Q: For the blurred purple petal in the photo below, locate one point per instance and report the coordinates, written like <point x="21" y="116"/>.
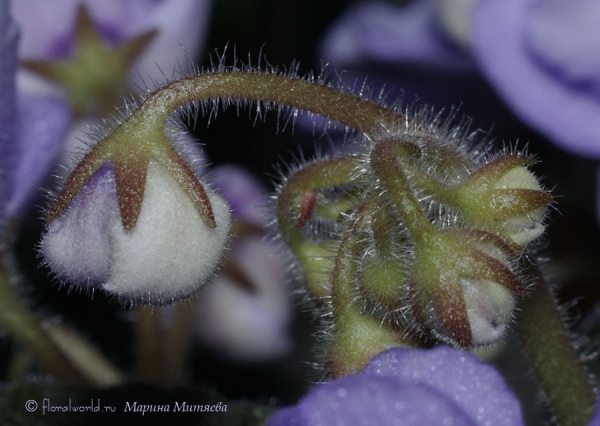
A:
<point x="513" y="43"/>
<point x="182" y="26"/>
<point x="8" y="65"/>
<point x="564" y="36"/>
<point x="48" y="27"/>
<point x="248" y="324"/>
<point x="403" y="53"/>
<point x="42" y="125"/>
<point x="373" y="31"/>
<point x="476" y="387"/>
<point x="410" y="387"/>
<point x="364" y="400"/>
<point x="244" y="192"/>
<point x="247" y="320"/>
<point x="596" y="419"/>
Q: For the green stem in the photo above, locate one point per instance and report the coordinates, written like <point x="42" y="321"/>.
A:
<point x="296" y="205"/>
<point x="358" y="336"/>
<point x="151" y="367"/>
<point x="96" y="367"/>
<point x="25" y="328"/>
<point x="297" y="199"/>
<point x="343" y="107"/>
<point x="177" y="340"/>
<point x="548" y="346"/>
<point x="387" y="167"/>
<point x="385" y="231"/>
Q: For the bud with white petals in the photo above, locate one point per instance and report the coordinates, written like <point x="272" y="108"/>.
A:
<point x="504" y="197"/>
<point x="168" y="255"/>
<point x="466" y="286"/>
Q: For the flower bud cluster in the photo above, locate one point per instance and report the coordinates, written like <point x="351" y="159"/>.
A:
<point x="438" y="230"/>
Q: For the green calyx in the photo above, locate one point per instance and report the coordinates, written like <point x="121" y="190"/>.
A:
<point x="129" y="149"/>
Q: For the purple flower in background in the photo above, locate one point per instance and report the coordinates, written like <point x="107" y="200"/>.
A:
<point x="381" y="32"/>
<point x="35" y="117"/>
<point x="48" y="29"/>
<point x="8" y="111"/>
<point x="245" y="311"/>
<point x="542" y="57"/>
<point x="410" y="387"/>
<point x="404" y="52"/>
<point x="539" y="56"/>
<point x="139" y="42"/>
<point x="33" y="128"/>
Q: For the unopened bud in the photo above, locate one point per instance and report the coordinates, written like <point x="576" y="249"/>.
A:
<point x="504" y="197"/>
<point x="466" y="287"/>
<point x="169" y="254"/>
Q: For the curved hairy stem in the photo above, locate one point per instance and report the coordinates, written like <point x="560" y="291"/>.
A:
<point x="549" y="348"/>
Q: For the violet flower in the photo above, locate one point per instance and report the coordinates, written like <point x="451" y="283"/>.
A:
<point x="540" y="57"/>
<point x="37" y="116"/>
<point x="402" y="53"/>
<point x="410" y="387"/>
<point x="157" y="32"/>
<point x="48" y="28"/>
<point x="33" y="128"/>
<point x="245" y="311"/>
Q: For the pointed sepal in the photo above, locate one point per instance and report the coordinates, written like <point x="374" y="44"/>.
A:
<point x="187" y="179"/>
<point x="82" y="173"/>
<point x="131" y="169"/>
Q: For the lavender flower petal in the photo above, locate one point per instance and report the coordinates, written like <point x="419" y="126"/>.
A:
<point x="8" y="65"/>
<point x="555" y="92"/>
<point x="248" y="324"/>
<point x="48" y="28"/>
<point x="42" y="125"/>
<point x="410" y="387"/>
<point x="380" y="32"/>
<point x="476" y="387"/>
<point x="364" y="400"/>
<point x="244" y="193"/>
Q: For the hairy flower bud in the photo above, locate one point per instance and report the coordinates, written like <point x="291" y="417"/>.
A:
<point x="465" y="285"/>
<point x="505" y="198"/>
<point x="168" y="255"/>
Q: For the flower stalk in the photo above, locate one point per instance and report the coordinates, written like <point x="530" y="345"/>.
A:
<point x="357" y="336"/>
<point x="549" y="348"/>
<point x="151" y="366"/>
<point x="74" y="364"/>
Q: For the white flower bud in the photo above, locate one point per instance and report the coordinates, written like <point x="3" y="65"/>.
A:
<point x="489" y="308"/>
<point x="168" y="255"/>
<point x="489" y="304"/>
<point x="525" y="227"/>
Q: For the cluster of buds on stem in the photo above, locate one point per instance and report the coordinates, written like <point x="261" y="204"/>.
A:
<point x="413" y="238"/>
<point x="424" y="238"/>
